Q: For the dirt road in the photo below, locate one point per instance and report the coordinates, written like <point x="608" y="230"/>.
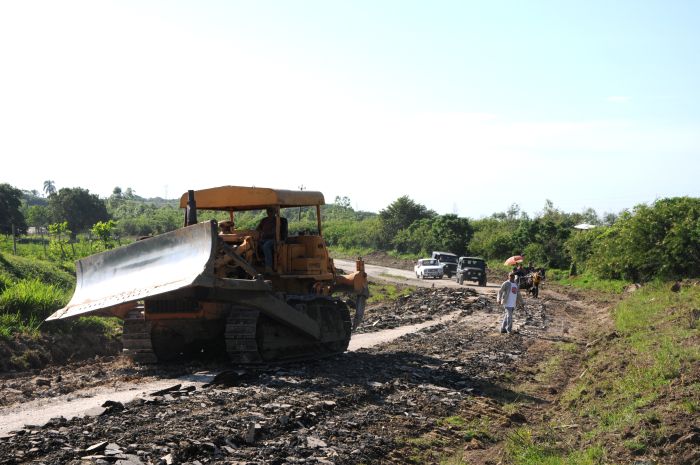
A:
<point x="88" y="401"/>
<point x="384" y="273"/>
<point x="396" y="395"/>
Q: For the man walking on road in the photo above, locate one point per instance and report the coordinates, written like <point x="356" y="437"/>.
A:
<point x="509" y="297"/>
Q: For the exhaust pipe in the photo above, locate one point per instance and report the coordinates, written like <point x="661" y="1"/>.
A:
<point x="191" y="210"/>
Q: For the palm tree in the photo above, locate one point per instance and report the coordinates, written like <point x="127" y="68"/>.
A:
<point x="49" y="187"/>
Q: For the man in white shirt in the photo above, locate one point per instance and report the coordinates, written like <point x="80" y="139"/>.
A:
<point x="509" y="297"/>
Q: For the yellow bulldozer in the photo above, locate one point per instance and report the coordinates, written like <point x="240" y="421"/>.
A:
<point x="205" y="287"/>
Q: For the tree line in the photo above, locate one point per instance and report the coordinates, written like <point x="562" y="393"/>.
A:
<point x="648" y="241"/>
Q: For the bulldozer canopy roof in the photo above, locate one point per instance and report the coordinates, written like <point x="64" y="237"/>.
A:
<point x="251" y="198"/>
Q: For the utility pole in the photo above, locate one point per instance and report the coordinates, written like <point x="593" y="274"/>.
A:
<point x="43" y="241"/>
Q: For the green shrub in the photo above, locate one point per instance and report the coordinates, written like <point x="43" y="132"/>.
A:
<point x="497" y="267"/>
<point x="352" y="234"/>
<point x="31" y="298"/>
<point x="579" y="246"/>
<point x="5" y="281"/>
<point x="661" y="240"/>
<point x="557" y="275"/>
<point x="13" y="323"/>
<point x="572" y="269"/>
<point x="491" y="242"/>
<point x="110" y="326"/>
<point x="535" y="253"/>
<point x="18" y="268"/>
<point x="587" y="280"/>
<point x="445" y="232"/>
<point x="386" y="292"/>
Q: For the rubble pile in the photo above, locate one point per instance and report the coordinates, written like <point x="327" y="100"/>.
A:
<point x="56" y="380"/>
<point x="421" y="305"/>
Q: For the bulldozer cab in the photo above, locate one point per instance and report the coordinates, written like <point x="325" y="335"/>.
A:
<point x="299" y="256"/>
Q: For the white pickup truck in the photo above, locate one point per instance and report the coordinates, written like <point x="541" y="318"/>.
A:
<point x="428" y="268"/>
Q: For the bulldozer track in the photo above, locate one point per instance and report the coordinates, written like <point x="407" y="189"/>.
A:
<point x="240" y="336"/>
<point x="249" y="336"/>
<point x="136" y="341"/>
<point x="253" y="338"/>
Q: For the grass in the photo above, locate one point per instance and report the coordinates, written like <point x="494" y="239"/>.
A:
<point x="640" y="384"/>
<point x="12" y="324"/>
<point x="524" y="447"/>
<point x="455" y="420"/>
<point x="30" y="290"/>
<point x="689" y="406"/>
<point x="5" y="280"/>
<point x="587" y="281"/>
<point x="432" y="448"/>
<point x="15" y="268"/>
<point x="349" y="253"/>
<point x="109" y="326"/>
<point x="660" y="349"/>
<point x="34" y="249"/>
<point x="512" y="407"/>
<point x="454" y="459"/>
<point x="387" y="292"/>
<point x="552" y="367"/>
<point x="393" y="276"/>
<point x="477" y="428"/>
<point x="27" y="246"/>
<point x="39" y="249"/>
<point x="497" y="266"/>
<point x="423" y="449"/>
<point x="405" y="256"/>
<point x="32" y="299"/>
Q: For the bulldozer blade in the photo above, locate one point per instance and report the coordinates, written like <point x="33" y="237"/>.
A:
<point x="105" y="282"/>
<point x="110" y="283"/>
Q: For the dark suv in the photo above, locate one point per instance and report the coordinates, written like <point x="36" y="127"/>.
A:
<point x="471" y="269"/>
<point x="448" y="261"/>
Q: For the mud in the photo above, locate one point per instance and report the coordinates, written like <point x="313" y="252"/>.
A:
<point x="383" y="404"/>
<point x="421" y="305"/>
<point x="66" y="345"/>
<point x="448" y="393"/>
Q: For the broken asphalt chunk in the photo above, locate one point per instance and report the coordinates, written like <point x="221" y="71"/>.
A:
<point x="313" y="442"/>
<point x="166" y="390"/>
<point x="95" y="448"/>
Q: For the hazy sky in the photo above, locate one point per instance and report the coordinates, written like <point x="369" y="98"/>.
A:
<point x="464" y="106"/>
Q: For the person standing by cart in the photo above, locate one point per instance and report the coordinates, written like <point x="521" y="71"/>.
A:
<point x="536" y="279"/>
<point x="509" y="296"/>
